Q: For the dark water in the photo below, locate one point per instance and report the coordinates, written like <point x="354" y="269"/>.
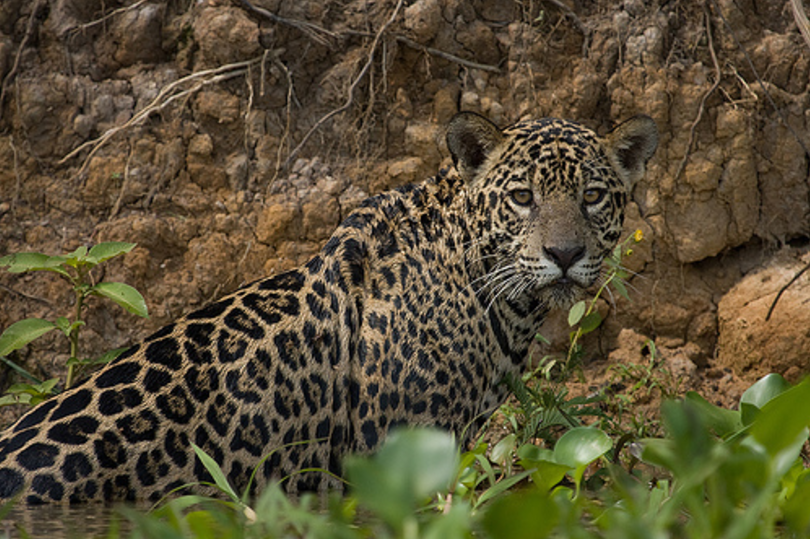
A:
<point x="64" y="522"/>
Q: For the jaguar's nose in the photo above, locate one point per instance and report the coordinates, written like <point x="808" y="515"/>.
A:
<point x="565" y="257"/>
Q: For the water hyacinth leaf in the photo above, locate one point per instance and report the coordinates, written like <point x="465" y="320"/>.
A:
<point x="124" y="295"/>
<point x="546" y="471"/>
<point x="795" y="509"/>
<point x="411" y="466"/>
<point x="783" y="419"/>
<point x="23" y="332"/>
<point x="580" y="446"/>
<point x="759" y="394"/>
<point x="204" y="525"/>
<point x="659" y="452"/>
<point x="454" y="524"/>
<point x="502" y="486"/>
<point x="720" y="420"/>
<point x="576" y="313"/>
<point x="521" y="516"/>
<point x="503" y="449"/>
<point x="104" y="251"/>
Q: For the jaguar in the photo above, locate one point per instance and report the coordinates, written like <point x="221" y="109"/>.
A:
<point x="416" y="309"/>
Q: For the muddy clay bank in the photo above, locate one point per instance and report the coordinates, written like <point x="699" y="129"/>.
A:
<point x="228" y="143"/>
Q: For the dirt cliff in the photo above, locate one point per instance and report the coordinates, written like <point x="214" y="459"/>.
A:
<point x="228" y="141"/>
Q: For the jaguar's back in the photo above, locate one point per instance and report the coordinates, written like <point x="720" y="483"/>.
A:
<point x="413" y="312"/>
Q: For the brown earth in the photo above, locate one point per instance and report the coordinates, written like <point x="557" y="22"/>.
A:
<point x="228" y="145"/>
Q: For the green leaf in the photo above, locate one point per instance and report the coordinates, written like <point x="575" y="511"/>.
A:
<point x="124" y="295"/>
<point x="521" y="516"/>
<point x="783" y="418"/>
<point x="547" y="472"/>
<point x="77" y="257"/>
<point x="576" y="313"/>
<point x="795" y="509"/>
<point x="66" y="327"/>
<point x="619" y="287"/>
<point x="503" y="449"/>
<point x="12" y="399"/>
<point x="759" y="394"/>
<point x="23" y="332"/>
<point x="502" y="486"/>
<point x="722" y="421"/>
<point x="411" y="466"/>
<point x="453" y="524"/>
<point x="100" y="360"/>
<point x="32" y="394"/>
<point x="616" y="255"/>
<point x="581" y="445"/>
<point x="108" y="356"/>
<point x="590" y="322"/>
<point x="22" y="262"/>
<point x="107" y="250"/>
<point x="216" y="472"/>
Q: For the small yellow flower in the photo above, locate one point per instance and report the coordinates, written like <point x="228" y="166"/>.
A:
<point x="638" y="235"/>
<point x="628" y="252"/>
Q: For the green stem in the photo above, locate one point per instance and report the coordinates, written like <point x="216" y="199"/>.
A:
<point x="74" y="333"/>
<point x="590" y="309"/>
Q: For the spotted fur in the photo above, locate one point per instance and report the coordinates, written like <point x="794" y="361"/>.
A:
<point x="421" y="302"/>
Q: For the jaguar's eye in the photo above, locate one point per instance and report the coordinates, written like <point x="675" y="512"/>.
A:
<point x="593" y="196"/>
<point x="521" y="197"/>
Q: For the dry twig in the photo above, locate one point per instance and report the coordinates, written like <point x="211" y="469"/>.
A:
<point x="29" y="30"/>
<point x="163" y="99"/>
<point x="586" y="35"/>
<point x="446" y="55"/>
<point x="123" y="191"/>
<point x="110" y="15"/>
<point x="759" y="80"/>
<point x="316" y="33"/>
<point x="288" y="119"/>
<point x="782" y="291"/>
<point x="352" y="88"/>
<point x="801" y="19"/>
<point x="701" y="110"/>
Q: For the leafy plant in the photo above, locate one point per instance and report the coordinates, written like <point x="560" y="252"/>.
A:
<point x="717" y="473"/>
<point x="75" y="268"/>
<point x="649" y="377"/>
<point x="583" y="315"/>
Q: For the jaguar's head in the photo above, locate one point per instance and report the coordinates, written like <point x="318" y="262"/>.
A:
<point x="549" y="198"/>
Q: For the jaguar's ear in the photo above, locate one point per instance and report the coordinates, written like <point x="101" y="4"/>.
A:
<point x="470" y="139"/>
<point x="630" y="145"/>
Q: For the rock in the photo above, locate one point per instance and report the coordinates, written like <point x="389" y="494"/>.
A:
<point x="421" y="141"/>
<point x="138" y="34"/>
<point x="445" y="103"/>
<point x="201" y="145"/>
<point x="275" y="221"/>
<point x="321" y="215"/>
<point x="222" y="106"/>
<point x="104" y="178"/>
<point x="407" y="170"/>
<point x="226" y="35"/>
<point x="423" y="19"/>
<point x="752" y="346"/>
<point x="479" y="39"/>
